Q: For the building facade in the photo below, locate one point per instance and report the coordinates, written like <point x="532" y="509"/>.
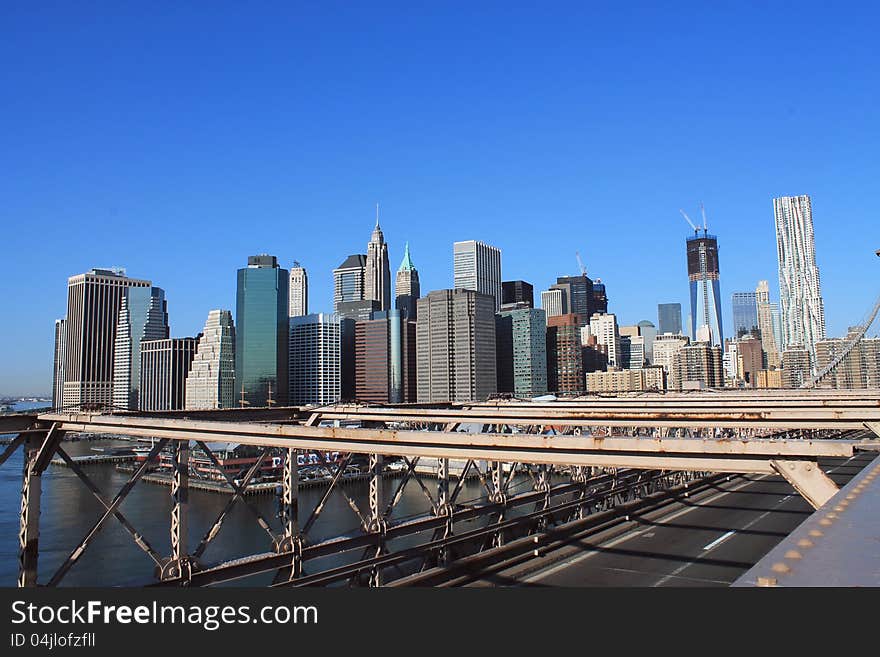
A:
<point x="797" y="363"/>
<point x="669" y="318"/>
<point x="348" y="280"/>
<point x="860" y="368"/>
<point x="565" y="358"/>
<point x="800" y="296"/>
<point x="143" y="315"/>
<point x="477" y="266"/>
<point x="164" y="367"/>
<point x="553" y="302"/>
<point x="93" y="303"/>
<point x="705" y="285"/>
<point x="406" y="287"/>
<point x="617" y="381"/>
<point x="697" y="366"/>
<point x="58" y="364"/>
<point x="377" y="273"/>
<point x="455" y="341"/>
<point x="604" y="327"/>
<point x="299" y="291"/>
<point x="261" y="333"/>
<point x="521" y="348"/>
<point x="315" y="370"/>
<point x="210" y="383"/>
<point x="745" y="314"/>
<point x="517" y="293"/>
<point x="767" y="328"/>
<point x="384" y="359"/>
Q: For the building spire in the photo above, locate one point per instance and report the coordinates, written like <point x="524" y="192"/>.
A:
<point x="407" y="264"/>
<point x="377" y="217"/>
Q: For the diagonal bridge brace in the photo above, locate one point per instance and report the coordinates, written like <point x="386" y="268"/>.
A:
<point x="807" y="479"/>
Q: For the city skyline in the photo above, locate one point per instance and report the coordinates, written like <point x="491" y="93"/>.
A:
<point x="252" y="166"/>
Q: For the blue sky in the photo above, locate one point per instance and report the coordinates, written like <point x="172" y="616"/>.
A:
<point x="177" y="140"/>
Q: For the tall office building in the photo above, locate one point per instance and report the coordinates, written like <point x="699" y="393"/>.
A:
<point x="631" y="350"/>
<point x="860" y="368"/>
<point x="703" y="274"/>
<point x="565" y="358"/>
<point x="766" y="327"/>
<point x="517" y="294"/>
<point x="58" y="364"/>
<point x="261" y="355"/>
<point x="299" y="291"/>
<point x="455" y="342"/>
<point x="604" y="327"/>
<point x="553" y="302"/>
<point x="745" y="314"/>
<point x="600" y="297"/>
<point x="377" y="274"/>
<point x="477" y="266"/>
<point x="800" y="298"/>
<point x="666" y="346"/>
<point x="697" y="366"/>
<point x="142" y="316"/>
<point x="164" y="367"/>
<point x="577" y="296"/>
<point x="406" y="286"/>
<point x="796" y="366"/>
<point x="93" y="303"/>
<point x="648" y="331"/>
<point x="669" y="318"/>
<point x="211" y="380"/>
<point x="384" y="359"/>
<point x="315" y="360"/>
<point x="348" y="280"/>
<point x="521" y="350"/>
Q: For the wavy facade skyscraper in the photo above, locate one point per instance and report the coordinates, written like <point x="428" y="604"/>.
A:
<point x="800" y="297"/>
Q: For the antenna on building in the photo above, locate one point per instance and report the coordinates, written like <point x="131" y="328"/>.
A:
<point x="703" y="211"/>
<point x="688" y="219"/>
<point x="580" y="263"/>
<point x="377" y="215"/>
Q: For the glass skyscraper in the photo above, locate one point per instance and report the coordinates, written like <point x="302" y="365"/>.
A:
<point x="745" y="313"/>
<point x="261" y="335"/>
<point x="669" y="318"/>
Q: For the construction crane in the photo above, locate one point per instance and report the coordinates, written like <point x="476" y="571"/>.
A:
<point x="705" y="224"/>
<point x="688" y="219"/>
<point x="580" y="263"/>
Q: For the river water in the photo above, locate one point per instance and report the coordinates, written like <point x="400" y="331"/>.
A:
<point x="68" y="511"/>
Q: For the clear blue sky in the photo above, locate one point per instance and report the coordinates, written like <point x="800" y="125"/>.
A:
<point x="177" y="140"/>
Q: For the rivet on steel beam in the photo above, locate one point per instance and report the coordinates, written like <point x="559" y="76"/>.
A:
<point x="824" y="522"/>
<point x="780" y="568"/>
<point x="839" y="508"/>
<point x="831" y="516"/>
<point x="766" y="581"/>
<point x="793" y="554"/>
<point x="805" y="543"/>
<point x="816" y="533"/>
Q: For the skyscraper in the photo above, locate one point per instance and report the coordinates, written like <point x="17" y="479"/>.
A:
<point x="348" y="280"/>
<point x="377" y="275"/>
<point x="697" y="366"/>
<point x="58" y="364"/>
<point x="211" y="379"/>
<point x="703" y="274"/>
<point x="521" y="350"/>
<point x="517" y="293"/>
<point x="766" y="327"/>
<point x="565" y="359"/>
<point x="803" y="313"/>
<point x="669" y="318"/>
<point x="142" y="316"/>
<point x="315" y="362"/>
<point x="299" y="291"/>
<point x="578" y="296"/>
<point x="477" y="266"/>
<point x="604" y="328"/>
<point x="553" y="302"/>
<point x="93" y="303"/>
<point x="164" y="367"/>
<point x="384" y="355"/>
<point x="406" y="286"/>
<point x="745" y="313"/>
<point x="261" y="358"/>
<point x="455" y="341"/>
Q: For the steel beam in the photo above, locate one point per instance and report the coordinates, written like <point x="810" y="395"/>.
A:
<point x="808" y="479"/>
<point x="29" y="519"/>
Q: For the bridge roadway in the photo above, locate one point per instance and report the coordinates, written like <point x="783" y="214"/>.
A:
<point x="709" y="539"/>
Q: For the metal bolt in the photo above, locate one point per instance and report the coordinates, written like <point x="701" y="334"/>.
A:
<point x="805" y="543"/>
<point x="824" y="522"/>
<point x="793" y="554"/>
<point x="780" y="568"/>
<point x="816" y="533"/>
<point x="766" y="581"/>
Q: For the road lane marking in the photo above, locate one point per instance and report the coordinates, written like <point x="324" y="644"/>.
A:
<point x="720" y="539"/>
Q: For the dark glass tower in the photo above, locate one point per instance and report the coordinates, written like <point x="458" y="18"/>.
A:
<point x="261" y="336"/>
<point x="702" y="263"/>
<point x="669" y="317"/>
